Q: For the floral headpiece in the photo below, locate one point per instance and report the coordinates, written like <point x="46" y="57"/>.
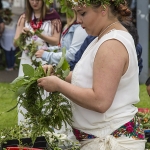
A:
<point x="89" y="2"/>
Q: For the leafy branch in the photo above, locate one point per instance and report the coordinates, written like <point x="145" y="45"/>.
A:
<point x="30" y="48"/>
<point x="44" y="112"/>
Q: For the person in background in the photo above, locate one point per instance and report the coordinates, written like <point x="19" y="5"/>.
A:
<point x="132" y="30"/>
<point x="37" y="16"/>
<point x="1" y="5"/>
<point x="72" y="38"/>
<point x="2" y="27"/>
<point x="104" y="85"/>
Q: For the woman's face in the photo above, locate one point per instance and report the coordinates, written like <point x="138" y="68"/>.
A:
<point x="36" y="4"/>
<point x="89" y="19"/>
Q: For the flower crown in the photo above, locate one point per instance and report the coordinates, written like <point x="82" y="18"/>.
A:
<point x="89" y="2"/>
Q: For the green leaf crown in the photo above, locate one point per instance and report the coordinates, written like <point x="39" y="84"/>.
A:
<point x="89" y="2"/>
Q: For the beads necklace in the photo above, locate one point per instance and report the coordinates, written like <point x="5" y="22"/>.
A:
<point x="37" y="25"/>
<point x="107" y="28"/>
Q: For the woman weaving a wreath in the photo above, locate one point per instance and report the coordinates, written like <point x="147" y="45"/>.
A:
<point x="103" y="94"/>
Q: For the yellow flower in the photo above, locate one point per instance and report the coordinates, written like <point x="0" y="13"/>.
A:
<point x="145" y="120"/>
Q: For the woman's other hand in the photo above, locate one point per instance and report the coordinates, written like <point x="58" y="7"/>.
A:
<point x="39" y="53"/>
<point x="48" y="69"/>
<point x="57" y="25"/>
<point x="49" y="83"/>
<point x="25" y="30"/>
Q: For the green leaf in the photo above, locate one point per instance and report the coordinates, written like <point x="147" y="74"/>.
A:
<point x="66" y="72"/>
<point x="17" y="80"/>
<point x="65" y="65"/>
<point x="62" y="58"/>
<point x="28" y="70"/>
<point x="21" y="90"/>
<point x="63" y="9"/>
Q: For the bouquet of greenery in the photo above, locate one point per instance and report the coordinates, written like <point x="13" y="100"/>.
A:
<point x="27" y="42"/>
<point x="45" y="111"/>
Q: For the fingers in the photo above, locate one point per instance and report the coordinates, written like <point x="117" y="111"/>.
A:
<point x="39" y="82"/>
<point x="57" y="25"/>
<point x="25" y="30"/>
<point x="45" y="68"/>
<point x="39" y="53"/>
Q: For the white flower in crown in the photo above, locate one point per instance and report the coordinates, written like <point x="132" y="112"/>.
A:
<point x="75" y="2"/>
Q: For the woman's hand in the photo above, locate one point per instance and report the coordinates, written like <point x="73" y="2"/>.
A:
<point x="39" y="53"/>
<point x="25" y="30"/>
<point x="49" y="83"/>
<point x="57" y="25"/>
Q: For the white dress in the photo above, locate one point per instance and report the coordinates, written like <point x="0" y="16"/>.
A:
<point x="25" y="59"/>
<point x="122" y="109"/>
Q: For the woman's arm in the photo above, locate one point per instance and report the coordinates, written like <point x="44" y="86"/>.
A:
<point x="53" y="58"/>
<point x="54" y="39"/>
<point x="20" y="26"/>
<point x="68" y="78"/>
<point x="106" y="77"/>
<point x="2" y="27"/>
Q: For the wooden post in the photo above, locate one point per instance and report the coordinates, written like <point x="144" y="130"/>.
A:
<point x="143" y="31"/>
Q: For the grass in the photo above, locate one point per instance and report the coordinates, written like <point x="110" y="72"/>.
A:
<point x="9" y="119"/>
<point x="144" y="98"/>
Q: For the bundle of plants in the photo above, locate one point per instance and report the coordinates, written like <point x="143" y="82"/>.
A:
<point x="45" y="111"/>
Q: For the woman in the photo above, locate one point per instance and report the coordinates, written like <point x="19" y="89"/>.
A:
<point x="38" y="16"/>
<point x="104" y="83"/>
<point x="72" y="38"/>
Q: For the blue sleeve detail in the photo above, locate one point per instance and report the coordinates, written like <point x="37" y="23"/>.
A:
<point x="79" y="53"/>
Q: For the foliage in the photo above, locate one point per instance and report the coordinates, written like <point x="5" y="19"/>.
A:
<point x="31" y="47"/>
<point x="144" y="117"/>
<point x="66" y="8"/>
<point x="89" y="2"/>
<point x="23" y="131"/>
<point x="44" y="112"/>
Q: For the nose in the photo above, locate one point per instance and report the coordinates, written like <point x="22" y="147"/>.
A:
<point x="79" y="20"/>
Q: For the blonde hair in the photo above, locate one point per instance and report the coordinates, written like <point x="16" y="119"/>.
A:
<point x="70" y="20"/>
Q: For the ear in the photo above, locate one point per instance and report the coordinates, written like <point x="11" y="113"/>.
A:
<point x="103" y="10"/>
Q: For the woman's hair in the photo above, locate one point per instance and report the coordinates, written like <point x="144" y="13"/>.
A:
<point x="29" y="11"/>
<point x="72" y="20"/>
<point x="122" y="11"/>
<point x="132" y="30"/>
